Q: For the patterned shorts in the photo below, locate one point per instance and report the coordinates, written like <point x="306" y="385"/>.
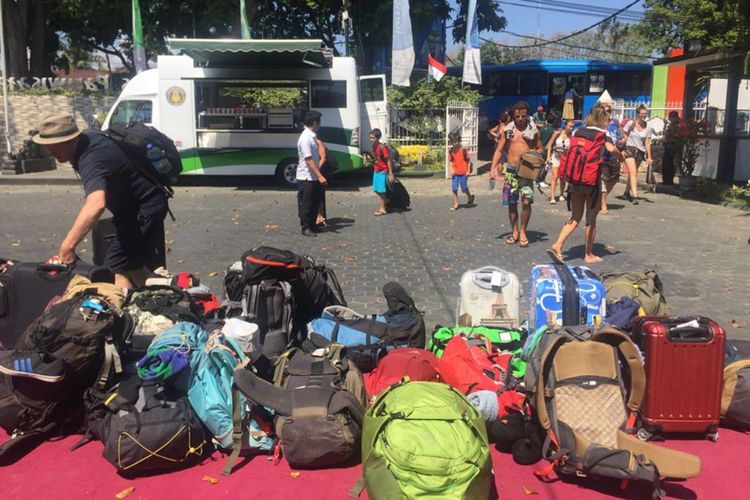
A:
<point x="516" y="188"/>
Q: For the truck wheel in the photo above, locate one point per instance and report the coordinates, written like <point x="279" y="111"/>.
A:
<point x="286" y="172"/>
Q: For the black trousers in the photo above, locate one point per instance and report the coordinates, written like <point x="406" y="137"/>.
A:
<point x="667" y="167"/>
<point x="309" y="195"/>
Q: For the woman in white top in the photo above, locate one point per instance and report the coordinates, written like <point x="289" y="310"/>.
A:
<point x="637" y="148"/>
<point x="556" y="146"/>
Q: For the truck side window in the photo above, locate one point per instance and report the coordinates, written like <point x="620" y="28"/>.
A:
<point x="328" y="94"/>
<point x="132" y="111"/>
<point x="371" y="90"/>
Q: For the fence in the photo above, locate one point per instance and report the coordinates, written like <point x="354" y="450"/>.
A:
<point x="411" y="127"/>
<point x="700" y="111"/>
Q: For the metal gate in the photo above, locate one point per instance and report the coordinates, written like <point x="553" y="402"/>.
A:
<point x="462" y="118"/>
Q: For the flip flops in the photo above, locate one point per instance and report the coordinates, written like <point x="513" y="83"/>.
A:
<point x="556" y="257"/>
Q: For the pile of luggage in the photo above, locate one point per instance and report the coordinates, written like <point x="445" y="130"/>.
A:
<point x="165" y="374"/>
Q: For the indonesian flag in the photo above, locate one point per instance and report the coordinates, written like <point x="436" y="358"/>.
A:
<point x="437" y="70"/>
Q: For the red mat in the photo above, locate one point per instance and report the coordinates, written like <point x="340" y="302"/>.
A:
<point x="51" y="471"/>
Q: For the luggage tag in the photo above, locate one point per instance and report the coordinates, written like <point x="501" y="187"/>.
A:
<point x="498" y="280"/>
<point x="690" y="324"/>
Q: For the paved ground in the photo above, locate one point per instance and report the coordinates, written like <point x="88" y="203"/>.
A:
<point x="699" y="250"/>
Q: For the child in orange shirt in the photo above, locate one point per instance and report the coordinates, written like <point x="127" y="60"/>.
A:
<point x="461" y="167"/>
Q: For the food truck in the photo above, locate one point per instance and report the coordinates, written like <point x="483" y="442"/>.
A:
<point x="236" y="107"/>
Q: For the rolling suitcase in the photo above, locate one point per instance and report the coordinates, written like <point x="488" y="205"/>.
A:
<point x="26" y="288"/>
<point x="565" y="296"/>
<point x="684" y="370"/>
<point x="489" y="296"/>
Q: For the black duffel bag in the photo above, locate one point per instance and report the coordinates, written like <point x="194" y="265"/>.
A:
<point x="146" y="428"/>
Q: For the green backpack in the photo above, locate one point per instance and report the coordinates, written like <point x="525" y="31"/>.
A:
<point x="504" y="339"/>
<point x="403" y="460"/>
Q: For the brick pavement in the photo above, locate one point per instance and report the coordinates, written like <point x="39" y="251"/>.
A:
<point x="700" y="250"/>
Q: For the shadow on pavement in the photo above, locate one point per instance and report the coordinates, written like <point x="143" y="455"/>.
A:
<point x="335" y="224"/>
<point x="577" y="252"/>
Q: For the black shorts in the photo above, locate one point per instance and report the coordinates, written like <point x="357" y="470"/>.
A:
<point x="640" y="156"/>
<point x="139" y="242"/>
<point x="611" y="170"/>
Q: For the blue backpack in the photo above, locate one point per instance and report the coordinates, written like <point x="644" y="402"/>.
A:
<point x="209" y="375"/>
<point x="367" y="338"/>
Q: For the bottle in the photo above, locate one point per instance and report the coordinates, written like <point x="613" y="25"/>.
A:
<point x="491" y="185"/>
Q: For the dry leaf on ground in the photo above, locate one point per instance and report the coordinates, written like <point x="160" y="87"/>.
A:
<point x="210" y="480"/>
<point x="125" y="493"/>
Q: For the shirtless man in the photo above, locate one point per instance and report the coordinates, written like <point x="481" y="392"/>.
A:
<point x="520" y="136"/>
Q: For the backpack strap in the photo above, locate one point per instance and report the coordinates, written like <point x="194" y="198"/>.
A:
<point x="237" y="431"/>
<point x="629" y="353"/>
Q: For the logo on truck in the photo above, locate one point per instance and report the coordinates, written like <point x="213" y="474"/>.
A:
<point x="175" y="96"/>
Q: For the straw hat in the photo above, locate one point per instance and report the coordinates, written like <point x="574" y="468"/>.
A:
<point x="56" y="128"/>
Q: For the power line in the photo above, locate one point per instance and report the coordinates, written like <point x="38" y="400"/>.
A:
<point x="603" y="51"/>
<point x="578" y="7"/>
<point x="566" y="37"/>
<point x="578" y="12"/>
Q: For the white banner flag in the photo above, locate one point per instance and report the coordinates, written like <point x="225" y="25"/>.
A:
<point x="472" y="58"/>
<point x="402" y="53"/>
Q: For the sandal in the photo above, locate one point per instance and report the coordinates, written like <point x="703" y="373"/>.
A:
<point x="523" y="243"/>
<point x="453" y="209"/>
<point x="379" y="213"/>
<point x="511" y="240"/>
<point x="556" y="257"/>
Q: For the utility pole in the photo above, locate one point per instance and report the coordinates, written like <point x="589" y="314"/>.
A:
<point x="345" y="21"/>
<point x="538" y="28"/>
<point x="4" y="68"/>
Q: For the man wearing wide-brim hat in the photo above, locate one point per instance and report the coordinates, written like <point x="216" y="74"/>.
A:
<point x="109" y="181"/>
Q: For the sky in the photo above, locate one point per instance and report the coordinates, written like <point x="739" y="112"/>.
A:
<point x="523" y="20"/>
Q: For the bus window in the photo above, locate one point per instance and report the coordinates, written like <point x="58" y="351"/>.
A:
<point x="532" y="83"/>
<point x="328" y="94"/>
<point x="596" y="83"/>
<point x="371" y="90"/>
<point x="131" y="111"/>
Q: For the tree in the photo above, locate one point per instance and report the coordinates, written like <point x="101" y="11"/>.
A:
<point x="28" y="47"/>
<point x="717" y="24"/>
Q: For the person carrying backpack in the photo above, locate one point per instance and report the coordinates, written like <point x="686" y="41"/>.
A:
<point x="461" y="167"/>
<point x="110" y="180"/>
<point x="581" y="167"/>
<point x="383" y="174"/>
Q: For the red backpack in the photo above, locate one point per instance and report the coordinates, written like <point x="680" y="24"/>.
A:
<point x="474" y="364"/>
<point x="417" y="364"/>
<point x="581" y="163"/>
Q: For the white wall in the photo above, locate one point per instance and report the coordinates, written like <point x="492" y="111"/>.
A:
<point x="742" y="164"/>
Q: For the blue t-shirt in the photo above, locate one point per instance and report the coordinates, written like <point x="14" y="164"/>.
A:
<point x="102" y="165"/>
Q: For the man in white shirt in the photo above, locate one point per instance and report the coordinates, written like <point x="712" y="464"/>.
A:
<point x="310" y="181"/>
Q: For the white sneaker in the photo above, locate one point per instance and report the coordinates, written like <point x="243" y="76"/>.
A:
<point x="543" y="184"/>
<point x="561" y="198"/>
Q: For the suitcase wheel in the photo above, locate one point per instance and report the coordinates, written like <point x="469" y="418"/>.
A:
<point x="643" y="434"/>
<point x="713" y="436"/>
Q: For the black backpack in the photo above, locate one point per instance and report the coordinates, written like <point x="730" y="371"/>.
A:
<point x="150" y="151"/>
<point x="397" y="195"/>
<point x="164" y="300"/>
<point x="315" y="286"/>
<point x="76" y="349"/>
<point x="145" y="427"/>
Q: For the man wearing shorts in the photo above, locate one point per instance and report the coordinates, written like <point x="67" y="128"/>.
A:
<point x="109" y="181"/>
<point x="519" y="137"/>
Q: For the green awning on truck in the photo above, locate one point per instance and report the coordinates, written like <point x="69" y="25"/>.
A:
<point x="217" y="53"/>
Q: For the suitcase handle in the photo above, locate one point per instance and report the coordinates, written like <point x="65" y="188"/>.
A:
<point x="482" y="277"/>
<point x="690" y="334"/>
<point x="54" y="272"/>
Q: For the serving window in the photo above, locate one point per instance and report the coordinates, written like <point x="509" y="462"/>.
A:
<point x="251" y="105"/>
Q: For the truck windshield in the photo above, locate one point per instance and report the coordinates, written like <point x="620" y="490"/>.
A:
<point x="132" y="111"/>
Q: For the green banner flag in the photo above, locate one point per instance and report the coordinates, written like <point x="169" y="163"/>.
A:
<point x="139" y="52"/>
<point x="243" y="21"/>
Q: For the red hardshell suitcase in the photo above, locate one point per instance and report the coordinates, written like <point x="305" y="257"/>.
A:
<point x="684" y="371"/>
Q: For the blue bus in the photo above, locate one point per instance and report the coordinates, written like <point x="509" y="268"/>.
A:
<point x="546" y="81"/>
